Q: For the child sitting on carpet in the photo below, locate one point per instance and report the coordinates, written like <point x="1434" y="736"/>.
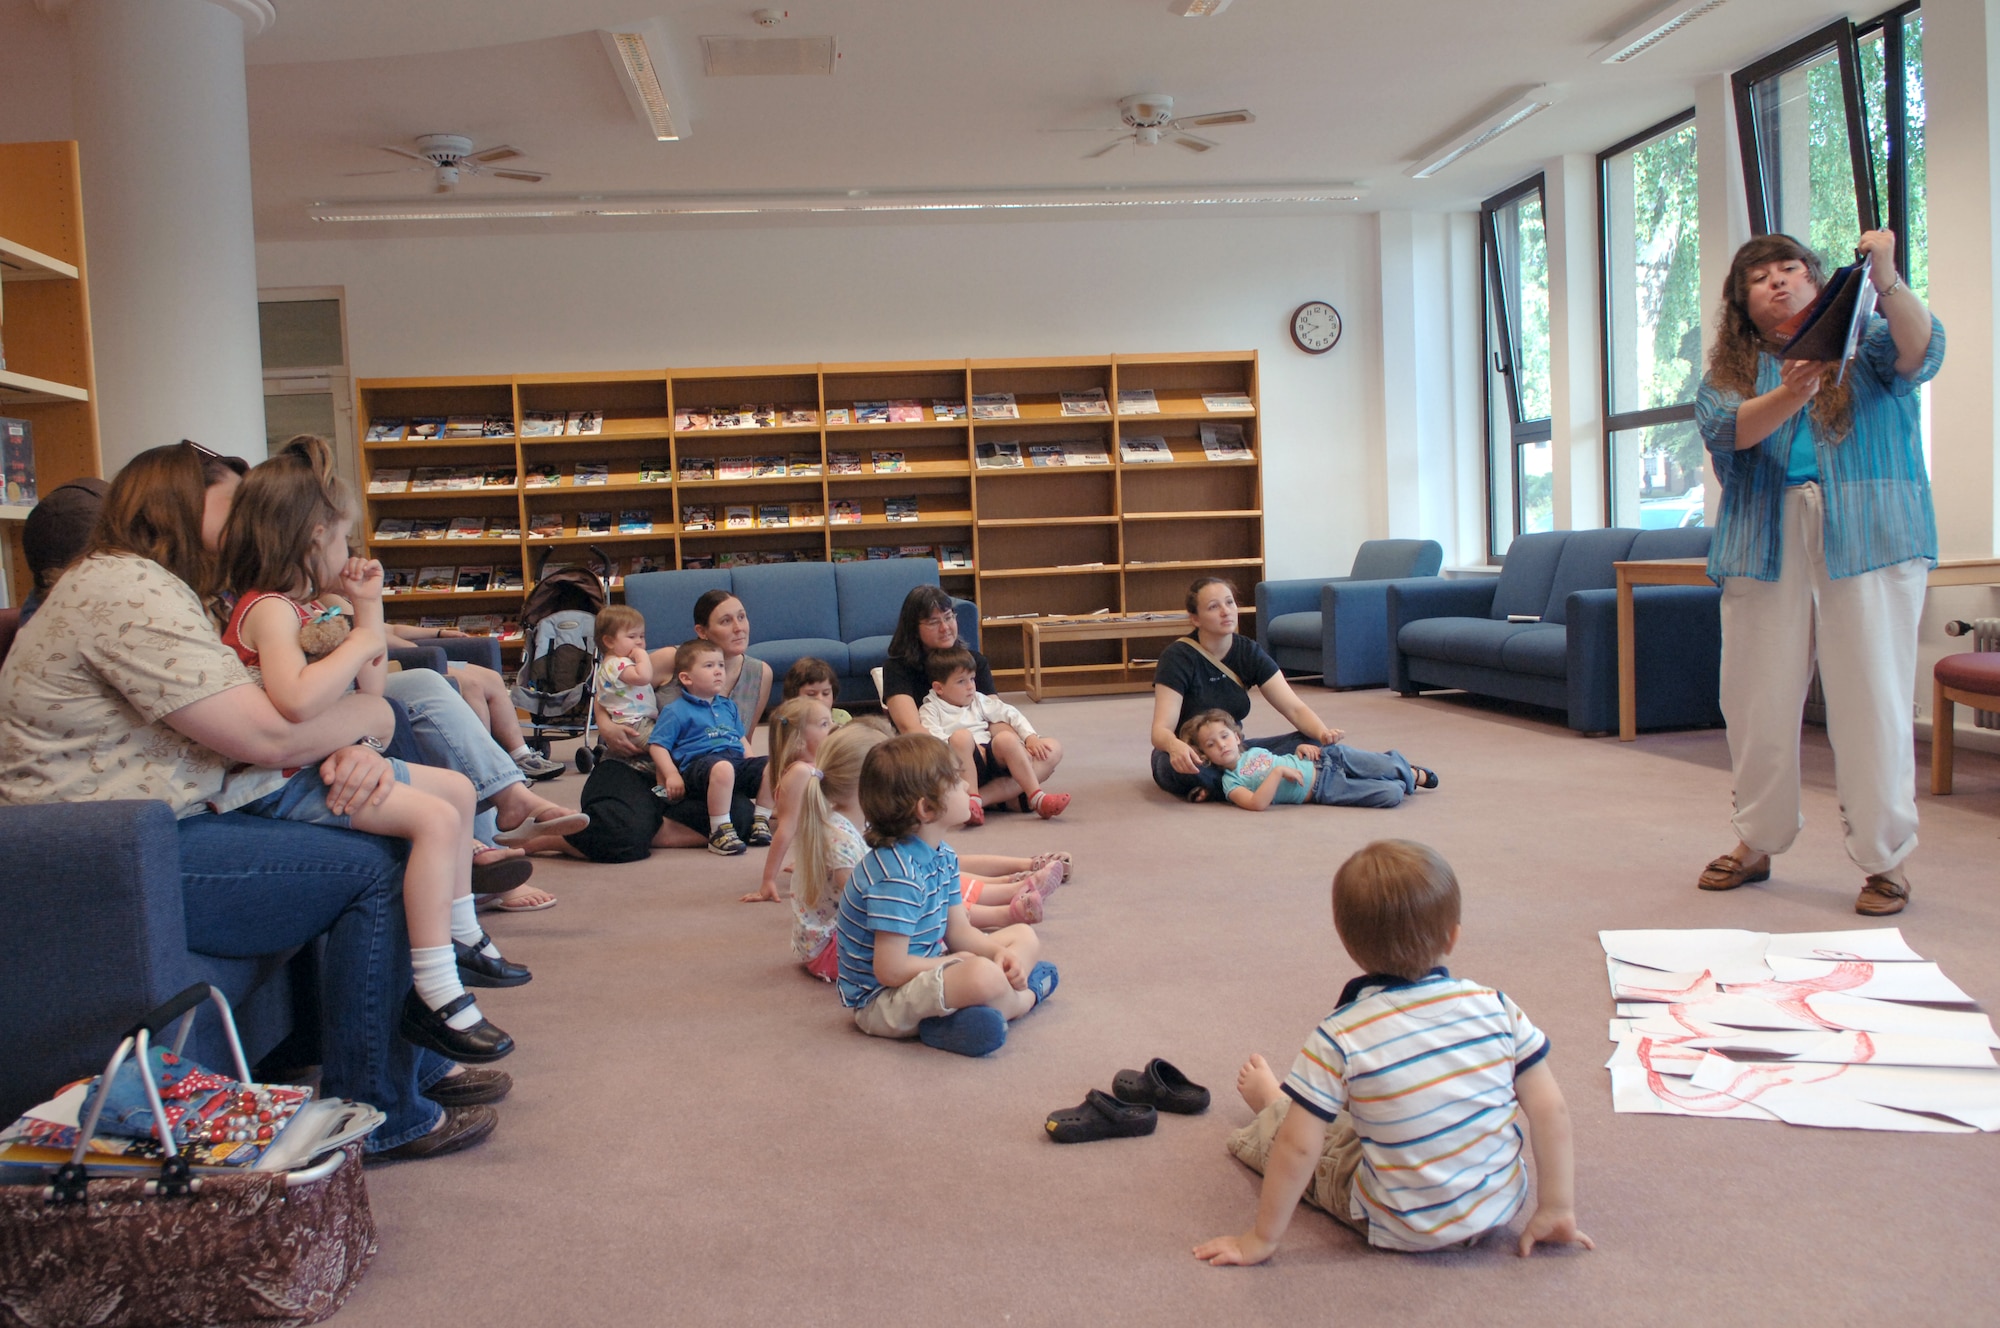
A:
<point x="797" y="728"/>
<point x="988" y="736"/>
<point x="1333" y="776"/>
<point x="815" y="680"/>
<point x="911" y="962"/>
<point x="1428" y="1155"/>
<point x="698" y="743"/>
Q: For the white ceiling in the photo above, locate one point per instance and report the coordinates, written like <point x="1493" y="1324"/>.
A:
<point x="955" y="93"/>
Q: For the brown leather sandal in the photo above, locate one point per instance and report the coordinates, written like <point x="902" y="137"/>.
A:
<point x="1883" y="894"/>
<point x="1726" y="873"/>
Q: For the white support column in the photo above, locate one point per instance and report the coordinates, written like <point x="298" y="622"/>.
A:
<point x="1576" y="375"/>
<point x="1724" y="213"/>
<point x="163" y="134"/>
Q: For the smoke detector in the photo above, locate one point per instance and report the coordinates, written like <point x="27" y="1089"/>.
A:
<point x="770" y="18"/>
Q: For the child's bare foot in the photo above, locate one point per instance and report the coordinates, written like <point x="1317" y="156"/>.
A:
<point x="1256" y="1083"/>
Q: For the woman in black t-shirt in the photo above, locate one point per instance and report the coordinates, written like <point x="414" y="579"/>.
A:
<point x="1190" y="678"/>
<point x="927" y="623"/>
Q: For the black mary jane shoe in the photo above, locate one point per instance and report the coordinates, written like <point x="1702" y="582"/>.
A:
<point x="479" y="969"/>
<point x="478" y="1045"/>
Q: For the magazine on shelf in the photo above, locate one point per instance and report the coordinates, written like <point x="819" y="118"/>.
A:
<point x="746" y="418"/>
<point x="1144" y="447"/>
<point x="465" y="477"/>
<point x="497" y="426"/>
<point x="688" y="420"/>
<point x="1227" y="401"/>
<point x="1224" y="442"/>
<point x="398" y="580"/>
<point x="845" y="512"/>
<point x="593" y="523"/>
<point x="394" y="528"/>
<point x="1138" y="401"/>
<point x="436" y="580"/>
<point x="464" y="426"/>
<point x="732" y="558"/>
<point x="507" y="578"/>
<point x="843" y="463"/>
<point x="591" y="473"/>
<point x="655" y="470"/>
<point x="545" y="525"/>
<point x="583" y="422"/>
<point x="1046" y="454"/>
<point x="901" y="509"/>
<point x="767" y="468"/>
<point x="1088" y="402"/>
<point x="642" y="563"/>
<point x="1086" y="452"/>
<point x="544" y="475"/>
<point x="871" y="412"/>
<point x="426" y="427"/>
<point x="472" y="580"/>
<point x="994" y="406"/>
<point x="466" y="527"/>
<point x="695" y="562"/>
<point x="948" y="410"/>
<point x="389" y="479"/>
<point x="879" y="553"/>
<point x="734" y="468"/>
<point x="798" y="417"/>
<point x="887" y="463"/>
<point x="430" y="479"/>
<point x="806" y="514"/>
<point x="955" y="555"/>
<point x="385" y="431"/>
<point x="541" y="423"/>
<point x="916" y="551"/>
<point x="635" y="521"/>
<point x="838" y="415"/>
<point x="480" y="624"/>
<point x="697" y="516"/>
<point x="498" y="477"/>
<point x="429" y="527"/>
<point x="503" y="527"/>
<point x="697" y="468"/>
<point x="771" y="515"/>
<point x="764" y="417"/>
<point x="738" y="516"/>
<point x="997" y="456"/>
<point x="843" y="553"/>
<point x="436" y="619"/>
<point x="906" y="411"/>
<point x="802" y="463"/>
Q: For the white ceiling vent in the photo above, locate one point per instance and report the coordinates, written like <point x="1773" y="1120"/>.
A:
<point x="727" y="57"/>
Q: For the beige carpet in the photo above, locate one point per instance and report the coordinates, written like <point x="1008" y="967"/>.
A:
<point x="699" y="1135"/>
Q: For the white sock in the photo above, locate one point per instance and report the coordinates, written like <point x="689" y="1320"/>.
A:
<point x="764" y="812"/>
<point x="715" y="823"/>
<point x="435" y="969"/>
<point x="465" y="927"/>
<point x="1035" y="800"/>
<point x="519" y="752"/>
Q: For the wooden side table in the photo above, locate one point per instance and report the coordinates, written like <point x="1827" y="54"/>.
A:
<point x="1097" y="627"/>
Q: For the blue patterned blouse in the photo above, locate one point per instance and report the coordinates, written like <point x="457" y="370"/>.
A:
<point x="1878" y="494"/>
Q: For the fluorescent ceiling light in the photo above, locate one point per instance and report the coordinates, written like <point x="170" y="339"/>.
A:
<point x="1653" y="29"/>
<point x="638" y="55"/>
<point x="1197" y="8"/>
<point x="1494" y="125"/>
<point x="849" y="201"/>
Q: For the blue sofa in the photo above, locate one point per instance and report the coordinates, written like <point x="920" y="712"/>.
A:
<point x="1337" y="627"/>
<point x="1456" y="634"/>
<point x="843" y="613"/>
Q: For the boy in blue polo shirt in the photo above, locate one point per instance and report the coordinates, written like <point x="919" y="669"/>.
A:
<point x="698" y="742"/>
<point x="911" y="962"/>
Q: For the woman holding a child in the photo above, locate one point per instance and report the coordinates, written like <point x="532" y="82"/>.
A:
<point x="1213" y="668"/>
<point x="928" y="625"/>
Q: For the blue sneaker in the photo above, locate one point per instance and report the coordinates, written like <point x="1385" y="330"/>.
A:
<point x="1042" y="980"/>
<point x="977" y="1030"/>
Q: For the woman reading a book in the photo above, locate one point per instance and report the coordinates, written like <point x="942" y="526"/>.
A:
<point x="1214" y="668"/>
<point x="1821" y="548"/>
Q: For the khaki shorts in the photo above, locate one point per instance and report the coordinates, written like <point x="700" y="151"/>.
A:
<point x="896" y="1011"/>
<point x="1332" y="1188"/>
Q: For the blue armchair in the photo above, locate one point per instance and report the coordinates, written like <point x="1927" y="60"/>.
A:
<point x="1338" y="627"/>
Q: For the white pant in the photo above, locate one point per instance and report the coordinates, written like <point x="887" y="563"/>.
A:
<point x="1865" y="628"/>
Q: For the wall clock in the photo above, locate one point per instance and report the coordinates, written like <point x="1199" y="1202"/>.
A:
<point x="1315" y="327"/>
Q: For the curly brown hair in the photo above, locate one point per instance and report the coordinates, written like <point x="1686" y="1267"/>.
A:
<point x="1732" y="365"/>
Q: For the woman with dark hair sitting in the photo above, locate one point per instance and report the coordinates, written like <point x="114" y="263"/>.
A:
<point x="1213" y="668"/>
<point x="927" y="625"/>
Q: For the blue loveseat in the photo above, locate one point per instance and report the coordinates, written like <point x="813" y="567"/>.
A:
<point x="1456" y="634"/>
<point x="843" y="613"/>
<point x="1337" y="627"/>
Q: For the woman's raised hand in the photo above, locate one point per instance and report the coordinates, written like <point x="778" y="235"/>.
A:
<point x="1184" y="758"/>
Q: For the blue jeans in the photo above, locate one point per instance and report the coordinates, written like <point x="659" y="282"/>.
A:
<point x="253" y="887"/>
<point x="1350" y="777"/>
<point x="1206" y="776"/>
<point x="450" y="735"/>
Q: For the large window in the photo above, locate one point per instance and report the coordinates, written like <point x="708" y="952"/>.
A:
<point x="304" y="343"/>
<point x="1652" y="326"/>
<point x="1520" y="473"/>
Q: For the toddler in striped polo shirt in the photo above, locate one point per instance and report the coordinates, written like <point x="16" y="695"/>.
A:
<point x="1409" y="1096"/>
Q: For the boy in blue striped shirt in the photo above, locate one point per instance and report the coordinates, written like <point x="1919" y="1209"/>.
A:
<point x="1403" y="1111"/>
<point x="911" y="962"/>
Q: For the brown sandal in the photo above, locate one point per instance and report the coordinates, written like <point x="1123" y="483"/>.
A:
<point x="1883" y="894"/>
<point x="1726" y="873"/>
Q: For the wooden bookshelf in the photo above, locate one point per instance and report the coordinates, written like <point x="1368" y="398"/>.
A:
<point x="49" y="379"/>
<point x="1047" y="539"/>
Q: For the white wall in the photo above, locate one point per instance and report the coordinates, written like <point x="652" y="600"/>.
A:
<point x="798" y="294"/>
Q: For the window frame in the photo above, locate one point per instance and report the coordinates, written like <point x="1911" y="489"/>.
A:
<point x="1895" y="117"/>
<point x="1839" y="37"/>
<point x="1616" y="423"/>
<point x="1499" y="311"/>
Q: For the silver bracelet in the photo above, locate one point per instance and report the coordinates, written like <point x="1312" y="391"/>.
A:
<point x="372" y="743"/>
<point x="1900" y="285"/>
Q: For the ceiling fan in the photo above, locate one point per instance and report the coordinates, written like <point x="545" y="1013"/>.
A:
<point x="1148" y="117"/>
<point x="447" y="156"/>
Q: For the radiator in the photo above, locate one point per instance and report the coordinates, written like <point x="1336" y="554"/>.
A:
<point x="1985" y="634"/>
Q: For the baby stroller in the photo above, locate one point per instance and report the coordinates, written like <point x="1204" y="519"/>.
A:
<point x="558" y="624"/>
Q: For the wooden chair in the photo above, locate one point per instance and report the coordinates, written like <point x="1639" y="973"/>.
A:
<point x="1972" y="678"/>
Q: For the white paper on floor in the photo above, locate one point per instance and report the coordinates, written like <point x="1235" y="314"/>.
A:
<point x="1833" y="1029"/>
